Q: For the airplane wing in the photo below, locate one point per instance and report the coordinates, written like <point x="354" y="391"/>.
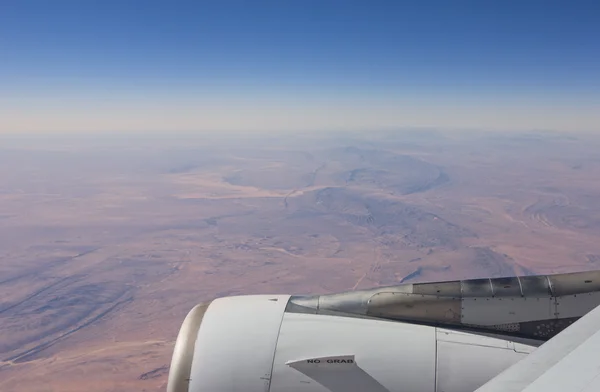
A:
<point x="567" y="362"/>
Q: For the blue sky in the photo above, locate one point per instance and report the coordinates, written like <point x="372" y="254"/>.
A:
<point x="109" y="65"/>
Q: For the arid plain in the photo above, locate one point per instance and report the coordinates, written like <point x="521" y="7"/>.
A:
<point x="106" y="244"/>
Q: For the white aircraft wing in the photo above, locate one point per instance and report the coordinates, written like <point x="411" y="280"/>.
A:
<point x="570" y="361"/>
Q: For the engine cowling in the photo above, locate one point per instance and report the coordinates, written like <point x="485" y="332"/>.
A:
<point x="252" y="344"/>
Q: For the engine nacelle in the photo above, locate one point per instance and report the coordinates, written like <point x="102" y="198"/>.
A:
<point x="252" y="344"/>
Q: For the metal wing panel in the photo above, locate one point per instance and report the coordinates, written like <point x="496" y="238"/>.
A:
<point x="495" y="311"/>
<point x="567" y="362"/>
<point x="577" y="372"/>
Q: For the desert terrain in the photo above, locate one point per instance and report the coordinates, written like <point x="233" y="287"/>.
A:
<point x="106" y="243"/>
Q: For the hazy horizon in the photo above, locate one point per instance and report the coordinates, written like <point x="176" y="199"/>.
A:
<point x="80" y="67"/>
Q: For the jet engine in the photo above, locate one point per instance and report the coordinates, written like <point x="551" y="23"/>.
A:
<point x="251" y="344"/>
<point x="431" y="337"/>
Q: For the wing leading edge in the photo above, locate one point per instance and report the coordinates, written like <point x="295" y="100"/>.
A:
<point x="567" y="362"/>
